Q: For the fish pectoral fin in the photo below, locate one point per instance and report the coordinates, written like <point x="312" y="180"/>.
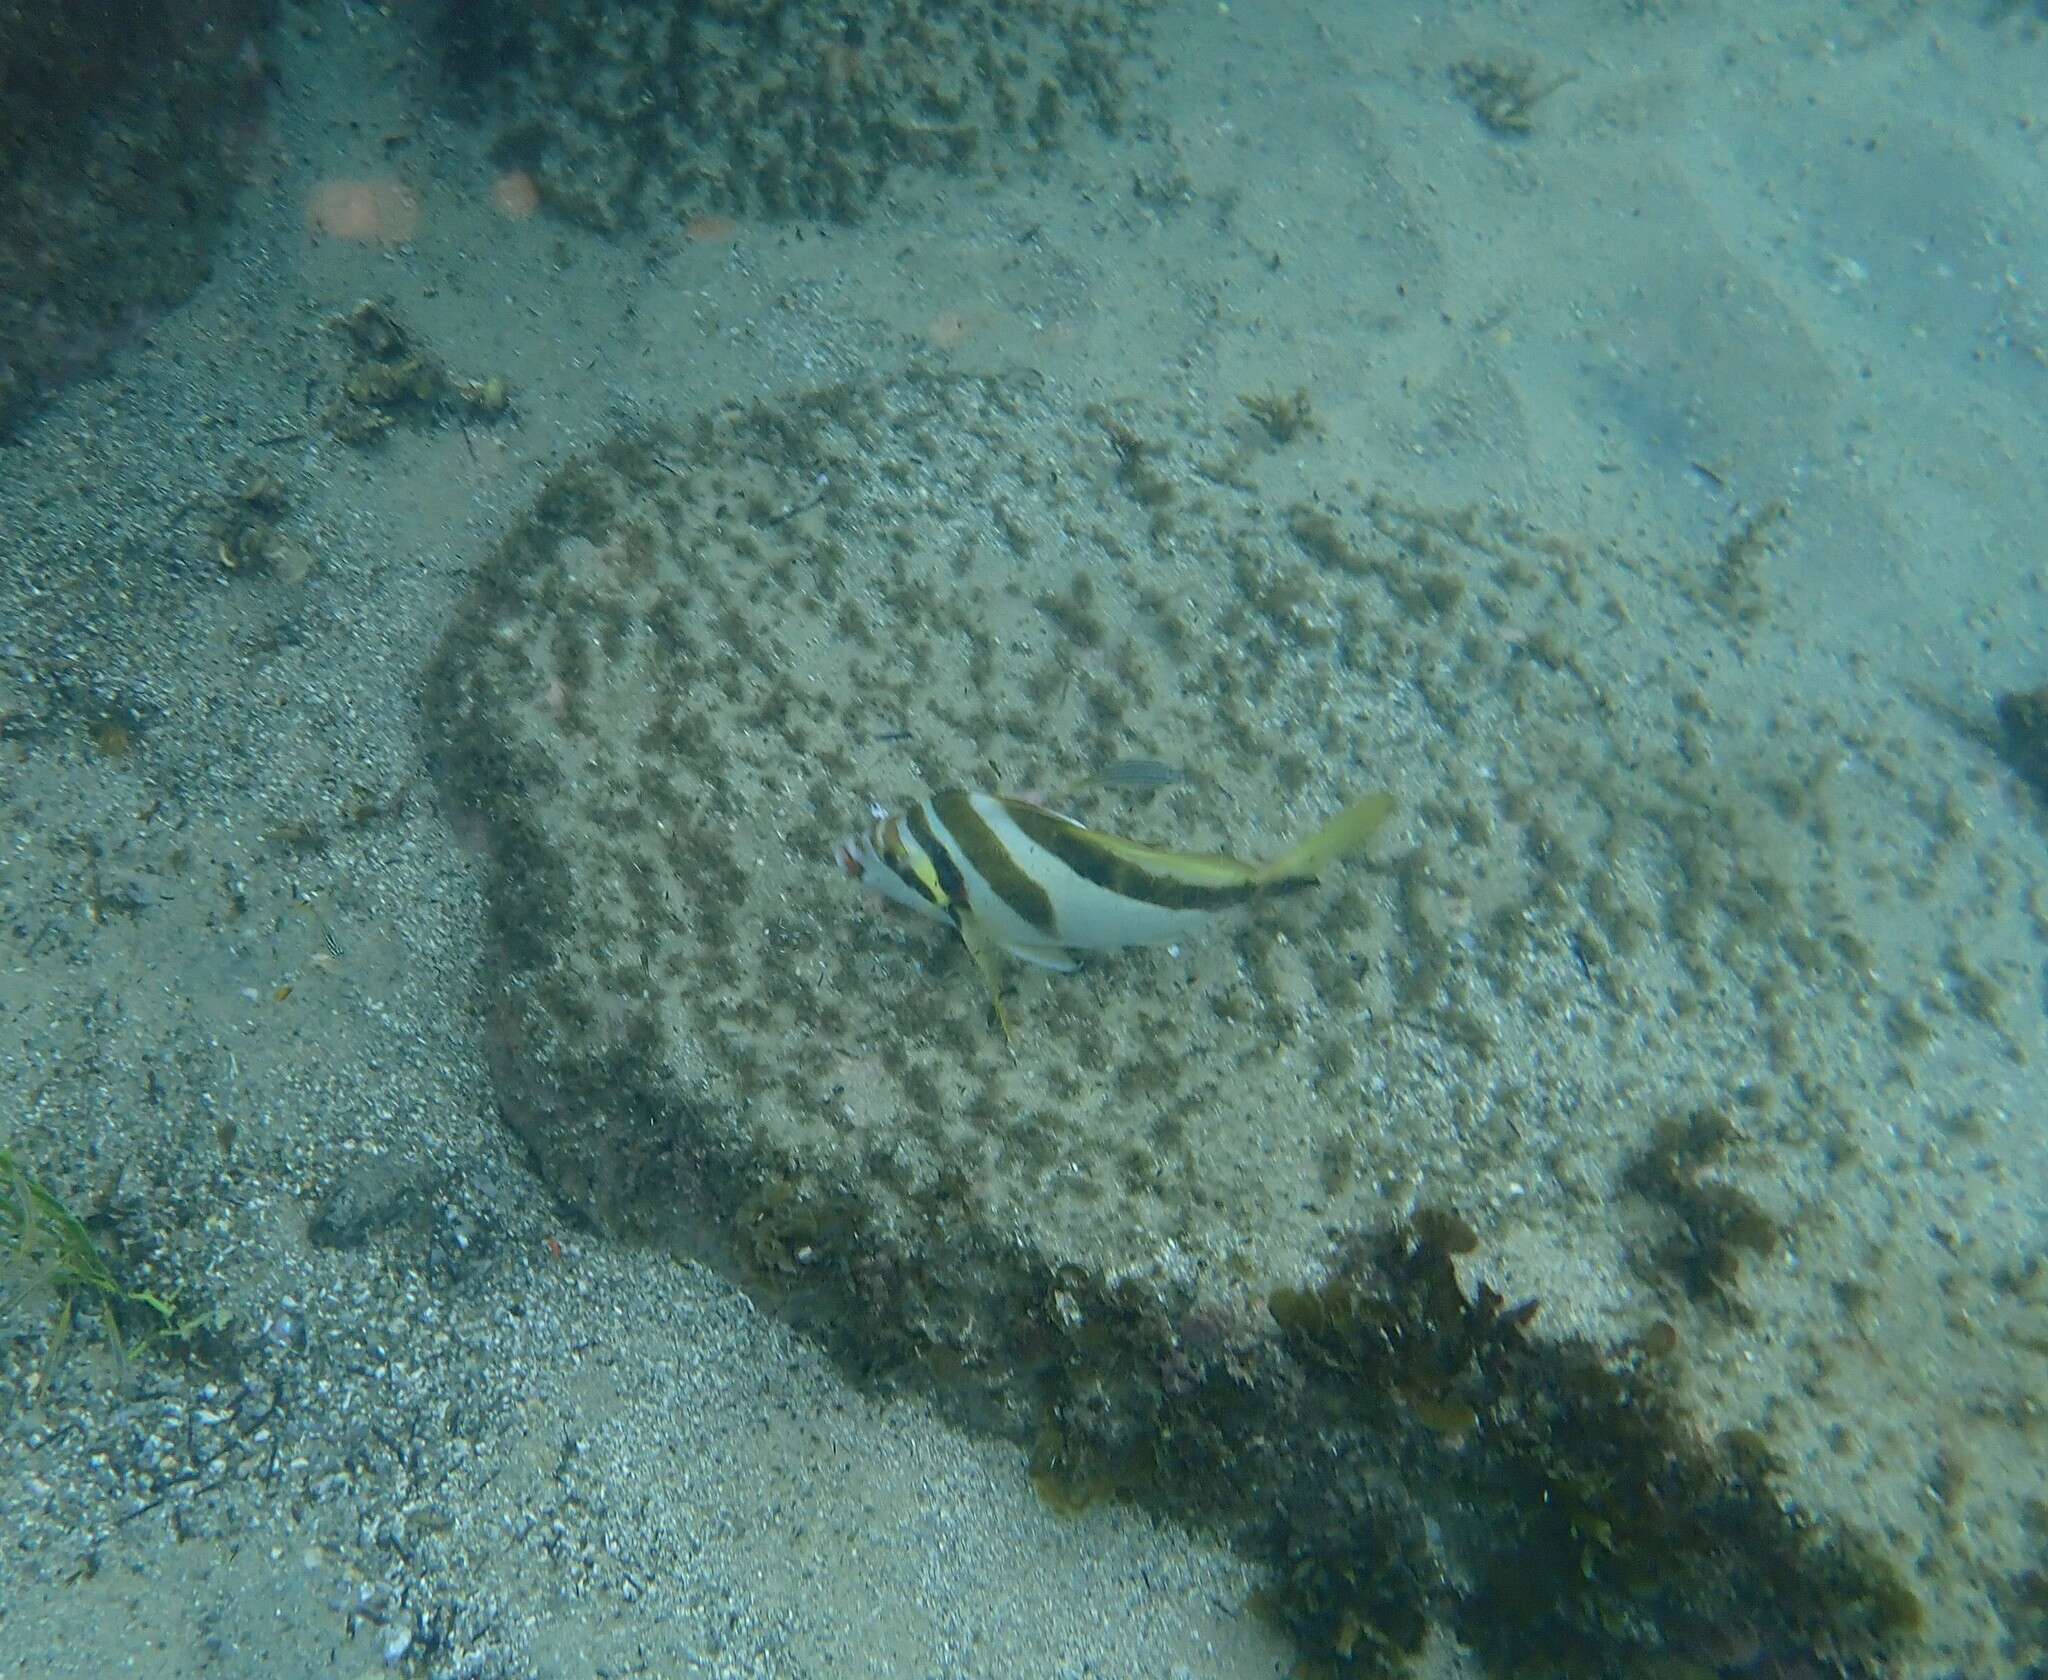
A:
<point x="1054" y="957"/>
<point x="987" y="960"/>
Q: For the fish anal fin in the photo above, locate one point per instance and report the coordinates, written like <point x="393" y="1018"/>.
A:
<point x="1054" y="957"/>
<point x="988" y="961"/>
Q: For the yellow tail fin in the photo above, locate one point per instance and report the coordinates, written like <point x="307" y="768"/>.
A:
<point x="1346" y="832"/>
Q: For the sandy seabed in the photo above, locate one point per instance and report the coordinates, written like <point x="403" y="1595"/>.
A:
<point x="1729" y="267"/>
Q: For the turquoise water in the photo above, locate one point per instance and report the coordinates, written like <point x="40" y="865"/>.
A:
<point x="697" y="1282"/>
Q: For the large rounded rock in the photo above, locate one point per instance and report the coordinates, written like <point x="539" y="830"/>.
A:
<point x="1173" y="1236"/>
<point x="629" y="115"/>
<point x="122" y="123"/>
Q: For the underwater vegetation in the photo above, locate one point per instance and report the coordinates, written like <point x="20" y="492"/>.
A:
<point x="390" y="378"/>
<point x="1711" y="1226"/>
<point x="2023" y="737"/>
<point x="48" y="1253"/>
<point x="628" y="116"/>
<point x="1406" y="1452"/>
<point x="2015" y="732"/>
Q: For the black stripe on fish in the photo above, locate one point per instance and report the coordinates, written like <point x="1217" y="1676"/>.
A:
<point x="983" y="848"/>
<point x="952" y="894"/>
<point x="889" y="847"/>
<point x="1075" y="847"/>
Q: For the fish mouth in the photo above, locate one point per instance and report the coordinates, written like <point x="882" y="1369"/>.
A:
<point x="847" y="856"/>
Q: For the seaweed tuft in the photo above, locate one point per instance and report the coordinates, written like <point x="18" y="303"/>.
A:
<point x="50" y="1253"/>
<point x="1403" y="1453"/>
<point x="1711" y="1226"/>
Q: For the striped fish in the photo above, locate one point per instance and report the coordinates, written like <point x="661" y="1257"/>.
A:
<point x="1016" y="879"/>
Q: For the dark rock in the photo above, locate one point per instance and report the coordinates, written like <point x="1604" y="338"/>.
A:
<point x="377" y="1193"/>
